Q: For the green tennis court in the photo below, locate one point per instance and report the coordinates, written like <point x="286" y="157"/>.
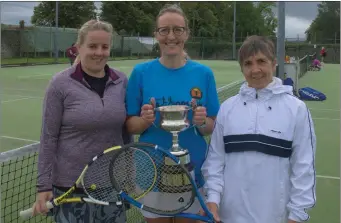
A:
<point x="326" y="117"/>
<point x="22" y="91"/>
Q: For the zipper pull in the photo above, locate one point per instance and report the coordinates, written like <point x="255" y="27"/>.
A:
<point x="256" y="95"/>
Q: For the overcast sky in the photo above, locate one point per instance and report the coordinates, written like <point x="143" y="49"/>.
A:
<point x="299" y="15"/>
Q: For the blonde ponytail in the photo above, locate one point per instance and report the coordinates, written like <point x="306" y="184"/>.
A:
<point x="185" y="54"/>
<point x="77" y="60"/>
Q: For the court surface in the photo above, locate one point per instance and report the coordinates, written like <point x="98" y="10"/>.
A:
<point x="22" y="91"/>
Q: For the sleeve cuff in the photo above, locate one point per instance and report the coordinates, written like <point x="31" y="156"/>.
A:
<point x="298" y="217"/>
<point x="43" y="188"/>
<point x="213" y="197"/>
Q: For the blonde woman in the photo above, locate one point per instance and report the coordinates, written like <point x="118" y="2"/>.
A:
<point x="83" y="114"/>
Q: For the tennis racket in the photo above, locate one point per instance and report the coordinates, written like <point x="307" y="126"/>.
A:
<point x="95" y="182"/>
<point x="171" y="189"/>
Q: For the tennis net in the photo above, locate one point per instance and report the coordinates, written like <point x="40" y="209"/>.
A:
<point x="18" y="171"/>
<point x="304" y="64"/>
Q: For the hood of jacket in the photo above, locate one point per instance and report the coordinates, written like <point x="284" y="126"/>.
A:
<point x="274" y="88"/>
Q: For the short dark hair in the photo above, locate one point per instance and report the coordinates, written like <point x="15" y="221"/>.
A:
<point x="255" y="44"/>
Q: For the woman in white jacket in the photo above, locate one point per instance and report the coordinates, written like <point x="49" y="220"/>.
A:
<point x="260" y="167"/>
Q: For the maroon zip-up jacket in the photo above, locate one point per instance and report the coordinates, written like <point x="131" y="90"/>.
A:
<point x="78" y="124"/>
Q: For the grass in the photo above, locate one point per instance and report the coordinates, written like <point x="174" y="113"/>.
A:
<point x="326" y="118"/>
<point x="21" y="108"/>
<point x="48" y="60"/>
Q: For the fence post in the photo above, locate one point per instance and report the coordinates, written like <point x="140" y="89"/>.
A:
<point x="234" y="31"/>
<point x="50" y="41"/>
<point x="203" y="47"/>
<point x="56" y="51"/>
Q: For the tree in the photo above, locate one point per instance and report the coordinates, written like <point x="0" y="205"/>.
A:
<point x="70" y="14"/>
<point x="133" y="17"/>
<point x="325" y="28"/>
<point x="205" y="19"/>
<point x="267" y="15"/>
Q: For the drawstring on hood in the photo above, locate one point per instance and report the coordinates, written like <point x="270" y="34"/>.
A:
<point x="274" y="88"/>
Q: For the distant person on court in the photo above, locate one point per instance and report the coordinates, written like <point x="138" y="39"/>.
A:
<point x="323" y="54"/>
<point x="172" y="80"/>
<point x="260" y="166"/>
<point x="287" y="80"/>
<point x="316" y="64"/>
<point x="83" y="114"/>
<point x="287" y="59"/>
<point x="71" y="53"/>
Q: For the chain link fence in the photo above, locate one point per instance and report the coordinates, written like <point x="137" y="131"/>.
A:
<point x="36" y="45"/>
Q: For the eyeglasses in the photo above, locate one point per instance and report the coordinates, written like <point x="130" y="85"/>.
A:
<point x="164" y="31"/>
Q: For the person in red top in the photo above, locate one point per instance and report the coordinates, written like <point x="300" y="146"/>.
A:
<point x="72" y="53"/>
<point x="323" y="54"/>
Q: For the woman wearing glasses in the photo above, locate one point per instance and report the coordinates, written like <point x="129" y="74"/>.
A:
<point x="172" y="79"/>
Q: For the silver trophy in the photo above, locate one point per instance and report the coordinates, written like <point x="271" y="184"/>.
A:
<point x="173" y="118"/>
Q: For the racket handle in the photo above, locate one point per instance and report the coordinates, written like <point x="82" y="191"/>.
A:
<point x="26" y="214"/>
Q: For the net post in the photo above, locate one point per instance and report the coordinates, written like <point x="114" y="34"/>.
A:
<point x="0" y="110"/>
<point x="281" y="38"/>
<point x="56" y="51"/>
<point x="234" y="30"/>
<point x="297" y="76"/>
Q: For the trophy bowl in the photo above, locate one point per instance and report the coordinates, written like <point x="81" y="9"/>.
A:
<point x="173" y="117"/>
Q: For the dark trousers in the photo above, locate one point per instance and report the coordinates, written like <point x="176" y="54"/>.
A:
<point x="87" y="213"/>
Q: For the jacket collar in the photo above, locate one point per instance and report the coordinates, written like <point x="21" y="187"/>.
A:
<point x="274" y="88"/>
<point x="78" y="73"/>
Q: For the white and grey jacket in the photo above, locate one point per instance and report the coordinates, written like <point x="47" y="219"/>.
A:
<point x="260" y="166"/>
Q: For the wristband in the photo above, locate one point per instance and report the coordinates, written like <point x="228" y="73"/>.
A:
<point x="203" y="125"/>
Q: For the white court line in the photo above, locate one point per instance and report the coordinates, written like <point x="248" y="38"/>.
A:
<point x="35" y="75"/>
<point x="124" y="67"/>
<point x="329" y="119"/>
<point x="21" y="139"/>
<point x="324" y="109"/>
<point x="20" y="89"/>
<point x="22" y="96"/>
<point x="13" y="100"/>
<point x="328" y="177"/>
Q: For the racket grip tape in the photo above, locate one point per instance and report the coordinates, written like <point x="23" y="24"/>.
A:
<point x="26" y="214"/>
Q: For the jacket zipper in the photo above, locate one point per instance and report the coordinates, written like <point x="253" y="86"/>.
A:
<point x="88" y="86"/>
<point x="256" y="112"/>
<point x="105" y="88"/>
<point x="106" y="85"/>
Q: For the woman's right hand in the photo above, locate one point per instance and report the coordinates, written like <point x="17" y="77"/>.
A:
<point x="147" y="112"/>
<point x="39" y="207"/>
<point x="213" y="208"/>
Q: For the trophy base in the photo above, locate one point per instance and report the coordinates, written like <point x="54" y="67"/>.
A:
<point x="173" y="179"/>
<point x="183" y="156"/>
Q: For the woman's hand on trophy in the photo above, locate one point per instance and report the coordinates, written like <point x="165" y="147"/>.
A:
<point x="199" y="114"/>
<point x="147" y="111"/>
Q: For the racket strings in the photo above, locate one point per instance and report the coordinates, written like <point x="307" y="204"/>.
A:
<point x="134" y="172"/>
<point x="173" y="178"/>
<point x="156" y="181"/>
<point x="96" y="181"/>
